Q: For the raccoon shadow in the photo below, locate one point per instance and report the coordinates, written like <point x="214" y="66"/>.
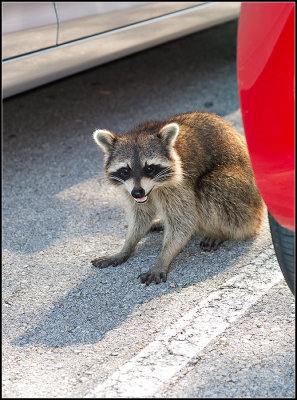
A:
<point x="108" y="297"/>
<point x="193" y="265"/>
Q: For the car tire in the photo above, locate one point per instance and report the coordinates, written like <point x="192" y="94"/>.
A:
<point x="283" y="241"/>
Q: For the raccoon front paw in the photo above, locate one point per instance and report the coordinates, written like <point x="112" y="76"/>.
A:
<point x="208" y="244"/>
<point x="151" y="276"/>
<point x="104" y="262"/>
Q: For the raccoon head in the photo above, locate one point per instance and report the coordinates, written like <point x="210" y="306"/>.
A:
<point x="140" y="160"/>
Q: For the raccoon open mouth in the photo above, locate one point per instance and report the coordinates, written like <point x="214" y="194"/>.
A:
<point x="141" y="199"/>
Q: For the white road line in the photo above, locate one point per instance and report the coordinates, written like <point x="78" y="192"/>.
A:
<point x="158" y="363"/>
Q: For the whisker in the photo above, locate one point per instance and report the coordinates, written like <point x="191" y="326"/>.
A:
<point x="164" y="172"/>
<point x="116" y="178"/>
<point x="162" y="176"/>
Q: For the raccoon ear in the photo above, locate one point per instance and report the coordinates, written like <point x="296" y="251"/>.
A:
<point x="104" y="139"/>
<point x="168" y="134"/>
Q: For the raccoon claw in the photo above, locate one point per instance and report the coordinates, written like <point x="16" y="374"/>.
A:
<point x="208" y="244"/>
<point x="106" y="262"/>
<point x="149" y="277"/>
<point x="101" y="262"/>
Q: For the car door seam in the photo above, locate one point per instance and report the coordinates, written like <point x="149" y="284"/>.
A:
<point x="58" y="23"/>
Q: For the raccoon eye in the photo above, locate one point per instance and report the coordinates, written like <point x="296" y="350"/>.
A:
<point x="150" y="169"/>
<point x="124" y="172"/>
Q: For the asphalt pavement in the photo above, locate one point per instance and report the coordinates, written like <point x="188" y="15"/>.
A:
<point x="223" y="325"/>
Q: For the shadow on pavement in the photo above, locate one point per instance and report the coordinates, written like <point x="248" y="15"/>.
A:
<point x="108" y="297"/>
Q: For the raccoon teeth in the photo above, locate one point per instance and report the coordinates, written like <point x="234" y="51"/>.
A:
<point x="141" y="199"/>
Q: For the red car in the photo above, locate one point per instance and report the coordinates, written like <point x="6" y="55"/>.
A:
<point x="266" y="79"/>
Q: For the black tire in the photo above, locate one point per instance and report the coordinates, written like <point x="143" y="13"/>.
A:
<point x="283" y="241"/>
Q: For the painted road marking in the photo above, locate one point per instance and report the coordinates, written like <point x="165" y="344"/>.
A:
<point x="158" y="363"/>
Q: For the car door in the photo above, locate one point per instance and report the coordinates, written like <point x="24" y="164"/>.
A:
<point x="83" y="19"/>
<point x="27" y="27"/>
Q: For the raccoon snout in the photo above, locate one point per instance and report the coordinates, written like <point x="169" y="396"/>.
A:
<point x="137" y="193"/>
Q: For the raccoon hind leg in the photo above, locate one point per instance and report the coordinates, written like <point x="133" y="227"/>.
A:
<point x="208" y="244"/>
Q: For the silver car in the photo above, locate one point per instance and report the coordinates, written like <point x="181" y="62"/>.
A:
<point x="45" y="41"/>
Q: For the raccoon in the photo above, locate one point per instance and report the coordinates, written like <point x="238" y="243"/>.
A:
<point x="189" y="174"/>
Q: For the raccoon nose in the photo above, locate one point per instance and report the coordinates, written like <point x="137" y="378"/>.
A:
<point x="138" y="193"/>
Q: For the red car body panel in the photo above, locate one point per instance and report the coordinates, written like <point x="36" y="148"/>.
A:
<point x="266" y="79"/>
